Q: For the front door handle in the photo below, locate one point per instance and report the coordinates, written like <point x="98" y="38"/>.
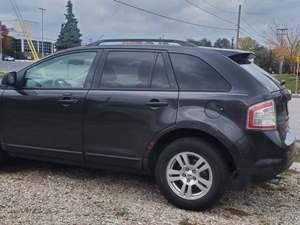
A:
<point x="157" y="103"/>
<point x="68" y="101"/>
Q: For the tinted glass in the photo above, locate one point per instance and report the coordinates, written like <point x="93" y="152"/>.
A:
<point x="263" y="76"/>
<point x="160" y="77"/>
<point x="194" y="74"/>
<point x="68" y="71"/>
<point x="128" y="70"/>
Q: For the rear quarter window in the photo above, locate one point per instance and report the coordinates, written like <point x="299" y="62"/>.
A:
<point x="193" y="74"/>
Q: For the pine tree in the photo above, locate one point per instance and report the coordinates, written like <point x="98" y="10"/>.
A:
<point x="69" y="34"/>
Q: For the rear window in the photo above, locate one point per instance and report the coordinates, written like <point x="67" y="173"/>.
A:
<point x="262" y="76"/>
<point x="193" y="74"/>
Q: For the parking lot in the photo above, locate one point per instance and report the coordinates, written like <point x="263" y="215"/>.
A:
<point x="6" y="66"/>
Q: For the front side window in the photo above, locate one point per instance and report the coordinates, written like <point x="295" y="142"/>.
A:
<point x="63" y="72"/>
<point x="196" y="75"/>
<point x="128" y="70"/>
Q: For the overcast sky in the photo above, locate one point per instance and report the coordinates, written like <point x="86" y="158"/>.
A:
<point x="108" y="19"/>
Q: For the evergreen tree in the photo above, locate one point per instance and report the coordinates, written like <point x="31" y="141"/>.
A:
<point x="69" y="34"/>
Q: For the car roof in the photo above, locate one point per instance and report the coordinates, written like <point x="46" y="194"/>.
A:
<point x="163" y="44"/>
<point x="169" y="48"/>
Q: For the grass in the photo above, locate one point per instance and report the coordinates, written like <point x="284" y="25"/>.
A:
<point x="1" y="74"/>
<point x="186" y="221"/>
<point x="121" y="212"/>
<point x="297" y="159"/>
<point x="290" y="81"/>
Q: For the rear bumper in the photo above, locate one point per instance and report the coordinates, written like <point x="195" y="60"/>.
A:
<point x="266" y="169"/>
<point x="270" y="155"/>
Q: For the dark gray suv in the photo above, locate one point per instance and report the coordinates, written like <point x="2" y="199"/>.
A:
<point x="196" y="118"/>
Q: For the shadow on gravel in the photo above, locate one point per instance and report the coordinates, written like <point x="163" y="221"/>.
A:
<point x="16" y="165"/>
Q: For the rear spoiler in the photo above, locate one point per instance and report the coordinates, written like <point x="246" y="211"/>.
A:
<point x="239" y="56"/>
<point x="243" y="58"/>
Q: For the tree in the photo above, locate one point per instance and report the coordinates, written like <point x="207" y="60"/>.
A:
<point x="203" y="42"/>
<point x="7" y="44"/>
<point x="222" y="43"/>
<point x="69" y="34"/>
<point x="264" y="58"/>
<point x="286" y="46"/>
<point x="247" y="43"/>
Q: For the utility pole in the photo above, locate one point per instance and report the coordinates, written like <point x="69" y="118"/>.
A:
<point x="297" y="75"/>
<point x="238" y="25"/>
<point x="42" y="10"/>
<point x="0" y="41"/>
<point x="281" y="33"/>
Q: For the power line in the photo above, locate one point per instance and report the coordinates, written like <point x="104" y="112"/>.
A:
<point x="171" y="18"/>
<point x="254" y="30"/>
<point x="224" y="10"/>
<point x="210" y="13"/>
<point x="221" y="18"/>
<point x="218" y="8"/>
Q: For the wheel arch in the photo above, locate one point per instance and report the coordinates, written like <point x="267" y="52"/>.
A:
<point x="158" y="145"/>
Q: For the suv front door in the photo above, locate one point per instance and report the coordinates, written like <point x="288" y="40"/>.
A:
<point x="134" y="97"/>
<point x="44" y="117"/>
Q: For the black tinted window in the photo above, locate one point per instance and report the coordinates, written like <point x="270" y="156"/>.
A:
<point x="160" y="77"/>
<point x="127" y="70"/>
<point x="194" y="74"/>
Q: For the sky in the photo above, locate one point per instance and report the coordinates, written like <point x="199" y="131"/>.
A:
<point x="107" y="19"/>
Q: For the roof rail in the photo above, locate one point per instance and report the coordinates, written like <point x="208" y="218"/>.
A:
<point x="144" y="41"/>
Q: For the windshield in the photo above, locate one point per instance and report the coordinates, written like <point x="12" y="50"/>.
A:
<point x="263" y="76"/>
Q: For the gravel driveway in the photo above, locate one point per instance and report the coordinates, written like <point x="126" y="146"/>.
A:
<point x="40" y="193"/>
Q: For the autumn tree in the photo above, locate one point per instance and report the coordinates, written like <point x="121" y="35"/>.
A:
<point x="248" y="43"/>
<point x="7" y="41"/>
<point x="286" y="46"/>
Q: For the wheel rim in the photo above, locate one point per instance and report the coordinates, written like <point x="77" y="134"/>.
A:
<point x="189" y="175"/>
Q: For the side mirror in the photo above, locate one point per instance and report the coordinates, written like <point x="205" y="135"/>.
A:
<point x="10" y="79"/>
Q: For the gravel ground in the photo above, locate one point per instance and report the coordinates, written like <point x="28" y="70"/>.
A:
<point x="40" y="193"/>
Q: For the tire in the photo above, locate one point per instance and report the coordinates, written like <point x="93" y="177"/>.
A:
<point x="205" y="178"/>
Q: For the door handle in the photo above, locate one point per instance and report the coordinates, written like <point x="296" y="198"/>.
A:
<point x="157" y="103"/>
<point x="68" y="101"/>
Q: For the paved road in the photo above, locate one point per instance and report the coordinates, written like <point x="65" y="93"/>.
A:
<point x="12" y="66"/>
<point x="294" y="108"/>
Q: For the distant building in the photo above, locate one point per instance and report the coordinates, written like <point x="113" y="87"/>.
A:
<point x="22" y="47"/>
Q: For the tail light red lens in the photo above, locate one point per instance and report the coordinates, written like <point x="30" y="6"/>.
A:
<point x="262" y="116"/>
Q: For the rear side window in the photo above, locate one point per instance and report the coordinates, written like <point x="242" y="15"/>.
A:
<point x="192" y="73"/>
<point x="128" y="70"/>
<point x="160" y="78"/>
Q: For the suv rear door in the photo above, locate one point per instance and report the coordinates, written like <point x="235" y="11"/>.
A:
<point x="134" y="96"/>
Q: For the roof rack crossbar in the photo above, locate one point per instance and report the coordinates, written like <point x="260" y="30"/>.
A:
<point x="161" y="41"/>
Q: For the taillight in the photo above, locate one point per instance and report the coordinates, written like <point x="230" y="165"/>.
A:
<point x="262" y="116"/>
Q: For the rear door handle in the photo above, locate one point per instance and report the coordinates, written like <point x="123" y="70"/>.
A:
<point x="157" y="103"/>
